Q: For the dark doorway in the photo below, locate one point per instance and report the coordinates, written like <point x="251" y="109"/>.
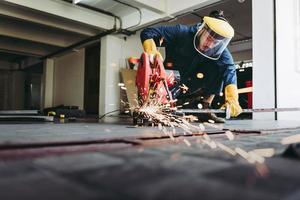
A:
<point x="91" y="79"/>
<point x="32" y="85"/>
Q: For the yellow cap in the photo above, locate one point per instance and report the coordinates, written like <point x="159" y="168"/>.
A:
<point x="219" y="26"/>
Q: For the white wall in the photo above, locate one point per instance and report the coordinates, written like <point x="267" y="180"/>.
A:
<point x="288" y="74"/>
<point x="263" y="57"/>
<point x="132" y="46"/>
<point x="69" y="79"/>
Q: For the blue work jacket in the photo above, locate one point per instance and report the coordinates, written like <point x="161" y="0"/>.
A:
<point x="180" y="51"/>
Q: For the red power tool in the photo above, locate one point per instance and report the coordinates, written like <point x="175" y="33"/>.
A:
<point x="153" y="86"/>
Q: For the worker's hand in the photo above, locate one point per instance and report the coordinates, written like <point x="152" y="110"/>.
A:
<point x="150" y="48"/>
<point x="232" y="100"/>
<point x="152" y="56"/>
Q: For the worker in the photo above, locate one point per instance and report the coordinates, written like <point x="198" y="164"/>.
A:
<point x="199" y="52"/>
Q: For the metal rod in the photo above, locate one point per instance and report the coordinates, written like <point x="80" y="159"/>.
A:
<point x="26" y="117"/>
<point x="254" y="110"/>
<point x="80" y="43"/>
<point x="19" y="112"/>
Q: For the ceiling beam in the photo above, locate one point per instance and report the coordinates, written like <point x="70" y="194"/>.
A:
<point x="25" y="14"/>
<point x="27" y="48"/>
<point x="4" y="64"/>
<point x="185" y="6"/>
<point x="68" y="11"/>
<point x="171" y="10"/>
<point x="31" y="32"/>
<point x="158" y="6"/>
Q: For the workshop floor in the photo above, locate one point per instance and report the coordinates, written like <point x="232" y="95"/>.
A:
<point x="115" y="160"/>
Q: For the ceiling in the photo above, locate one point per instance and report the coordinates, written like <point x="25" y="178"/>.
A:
<point x="238" y="14"/>
<point x="27" y="33"/>
<point x="11" y="57"/>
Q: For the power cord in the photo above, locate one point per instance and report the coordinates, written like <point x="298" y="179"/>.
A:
<point x="108" y="113"/>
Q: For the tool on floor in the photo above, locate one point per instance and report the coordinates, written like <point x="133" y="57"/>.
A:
<point x="152" y="84"/>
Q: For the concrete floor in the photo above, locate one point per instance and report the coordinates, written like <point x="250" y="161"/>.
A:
<point x="119" y="161"/>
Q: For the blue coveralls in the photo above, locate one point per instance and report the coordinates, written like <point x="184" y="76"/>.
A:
<point x="180" y="51"/>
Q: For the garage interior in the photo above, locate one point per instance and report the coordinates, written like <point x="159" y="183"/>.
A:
<point x="66" y="132"/>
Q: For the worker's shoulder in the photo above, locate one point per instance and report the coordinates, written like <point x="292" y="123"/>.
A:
<point x="225" y="59"/>
<point x="187" y="28"/>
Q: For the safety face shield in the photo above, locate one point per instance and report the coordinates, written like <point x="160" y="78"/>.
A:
<point x="208" y="43"/>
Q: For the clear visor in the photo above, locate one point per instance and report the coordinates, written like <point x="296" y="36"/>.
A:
<point x="208" y="43"/>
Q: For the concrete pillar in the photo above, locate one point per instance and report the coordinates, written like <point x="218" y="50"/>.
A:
<point x="110" y="61"/>
<point x="287" y="56"/>
<point x="47" y="84"/>
<point x="263" y="57"/>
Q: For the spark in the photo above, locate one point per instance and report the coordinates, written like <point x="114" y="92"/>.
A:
<point x="173" y="101"/>
<point x="291" y="139"/>
<point x="256" y="157"/>
<point x="262" y="170"/>
<point x="230" y="135"/>
<point x="226" y="149"/>
<point x="184" y="88"/>
<point x="211" y="121"/>
<point x="158" y="113"/>
<point x="121" y="84"/>
<point x="200" y="106"/>
<point x="123" y="88"/>
<point x="211" y="144"/>
<point x="159" y="126"/>
<point x="206" y="137"/>
<point x="242" y="153"/>
<point x="123" y="102"/>
<point x="202" y="127"/>
<point x="267" y="152"/>
<point x="213" y="126"/>
<point x="186" y="142"/>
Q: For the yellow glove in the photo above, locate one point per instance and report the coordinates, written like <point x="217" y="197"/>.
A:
<point x="232" y="100"/>
<point x="150" y="48"/>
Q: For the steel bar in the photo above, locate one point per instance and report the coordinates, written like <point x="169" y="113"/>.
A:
<point x="19" y="112"/>
<point x="254" y="110"/>
<point x="26" y="118"/>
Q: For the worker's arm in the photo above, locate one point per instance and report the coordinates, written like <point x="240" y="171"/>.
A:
<point x="159" y="36"/>
<point x="230" y="82"/>
<point x="168" y="33"/>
